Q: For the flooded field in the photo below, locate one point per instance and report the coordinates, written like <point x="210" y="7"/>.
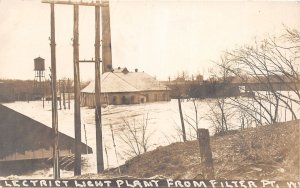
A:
<point x="162" y="122"/>
<point x="163" y="128"/>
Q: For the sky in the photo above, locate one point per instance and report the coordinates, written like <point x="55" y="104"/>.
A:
<point x="160" y="37"/>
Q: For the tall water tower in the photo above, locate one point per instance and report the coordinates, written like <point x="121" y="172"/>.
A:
<point x="39" y="77"/>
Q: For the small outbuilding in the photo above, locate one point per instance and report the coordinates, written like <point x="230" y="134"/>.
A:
<point x="123" y="87"/>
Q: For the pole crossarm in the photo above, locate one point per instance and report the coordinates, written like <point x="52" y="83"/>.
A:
<point x="69" y="2"/>
<point x="88" y="61"/>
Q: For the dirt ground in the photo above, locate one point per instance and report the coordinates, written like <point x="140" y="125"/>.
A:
<point x="266" y="152"/>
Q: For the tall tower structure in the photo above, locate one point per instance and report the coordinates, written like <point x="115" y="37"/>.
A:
<point x="106" y="38"/>
<point x="39" y="77"/>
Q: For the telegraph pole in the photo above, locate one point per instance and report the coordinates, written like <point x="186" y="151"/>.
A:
<point x="64" y="93"/>
<point x="56" y="170"/>
<point x="76" y="61"/>
<point x="77" y="125"/>
<point x="99" y="144"/>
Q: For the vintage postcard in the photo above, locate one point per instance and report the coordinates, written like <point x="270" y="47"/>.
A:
<point x="160" y="93"/>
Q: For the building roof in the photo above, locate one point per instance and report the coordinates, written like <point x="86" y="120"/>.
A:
<point x="125" y="81"/>
<point x="142" y="81"/>
<point x="21" y="136"/>
<point x="110" y="83"/>
<point x="39" y="58"/>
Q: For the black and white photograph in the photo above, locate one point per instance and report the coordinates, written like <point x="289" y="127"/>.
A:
<point x="149" y="93"/>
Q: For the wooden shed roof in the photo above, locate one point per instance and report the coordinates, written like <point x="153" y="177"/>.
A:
<point x="21" y="134"/>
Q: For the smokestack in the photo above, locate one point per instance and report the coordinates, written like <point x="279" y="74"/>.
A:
<point x="106" y="38"/>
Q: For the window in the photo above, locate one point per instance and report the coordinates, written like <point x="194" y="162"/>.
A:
<point x="147" y="97"/>
<point x="123" y="100"/>
<point x="114" y="101"/>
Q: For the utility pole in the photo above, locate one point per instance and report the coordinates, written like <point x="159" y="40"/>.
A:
<point x="69" y="96"/>
<point x="64" y="93"/>
<point x="76" y="61"/>
<point x="99" y="144"/>
<point x="56" y="170"/>
<point x="77" y="125"/>
<point x="59" y="88"/>
<point x="181" y="119"/>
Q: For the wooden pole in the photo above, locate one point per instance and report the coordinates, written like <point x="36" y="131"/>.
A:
<point x="99" y="144"/>
<point x="182" y="121"/>
<point x="205" y="154"/>
<point x="56" y="171"/>
<point x="77" y="123"/>
<point x="59" y="87"/>
<point x="69" y="95"/>
<point x="64" y="93"/>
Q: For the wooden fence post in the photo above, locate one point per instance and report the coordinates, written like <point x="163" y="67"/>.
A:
<point x="205" y="154"/>
<point x="182" y="120"/>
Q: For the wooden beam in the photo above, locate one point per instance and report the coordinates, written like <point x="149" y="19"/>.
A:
<point x="99" y="144"/>
<point x="56" y="170"/>
<point x="77" y="118"/>
<point x="69" y="2"/>
<point x="182" y="120"/>
<point x="87" y="61"/>
<point x="205" y="154"/>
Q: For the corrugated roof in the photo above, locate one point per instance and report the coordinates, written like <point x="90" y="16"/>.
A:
<point x="112" y="82"/>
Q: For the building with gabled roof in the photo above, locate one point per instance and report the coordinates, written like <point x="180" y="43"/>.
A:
<point x="123" y="87"/>
<point x="25" y="139"/>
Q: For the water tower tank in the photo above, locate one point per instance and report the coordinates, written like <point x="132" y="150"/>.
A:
<point x="39" y="64"/>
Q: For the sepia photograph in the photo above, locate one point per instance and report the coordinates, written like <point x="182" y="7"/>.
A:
<point x="149" y="93"/>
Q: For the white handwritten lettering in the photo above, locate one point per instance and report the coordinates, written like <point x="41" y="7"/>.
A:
<point x="267" y="183"/>
<point x="293" y="184"/>
<point x="77" y="184"/>
<point x="34" y="182"/>
<point x="213" y="183"/>
<point x="155" y="182"/>
<point x="199" y="184"/>
<point x="107" y="183"/>
<point x="24" y="183"/>
<point x="120" y="182"/>
<point x="43" y="183"/>
<point x="170" y="182"/>
<point x="65" y="183"/>
<point x="187" y="184"/>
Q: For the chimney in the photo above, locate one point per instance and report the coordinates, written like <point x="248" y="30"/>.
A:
<point x="136" y="70"/>
<point x="106" y="38"/>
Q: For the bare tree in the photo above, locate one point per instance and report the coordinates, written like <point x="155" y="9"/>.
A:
<point x="267" y="68"/>
<point x="136" y="136"/>
<point x="193" y="122"/>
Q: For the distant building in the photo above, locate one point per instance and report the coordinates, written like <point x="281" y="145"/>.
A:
<point x="180" y="87"/>
<point x="6" y="92"/>
<point x="123" y="87"/>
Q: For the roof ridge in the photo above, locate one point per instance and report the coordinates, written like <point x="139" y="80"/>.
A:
<point x="126" y="82"/>
<point x="106" y="76"/>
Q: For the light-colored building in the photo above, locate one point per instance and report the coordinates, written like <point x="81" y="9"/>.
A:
<point x="123" y="87"/>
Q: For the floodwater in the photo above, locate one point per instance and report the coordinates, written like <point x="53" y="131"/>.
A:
<point x="162" y="120"/>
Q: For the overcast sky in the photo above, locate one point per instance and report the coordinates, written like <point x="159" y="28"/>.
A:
<point x="160" y="37"/>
